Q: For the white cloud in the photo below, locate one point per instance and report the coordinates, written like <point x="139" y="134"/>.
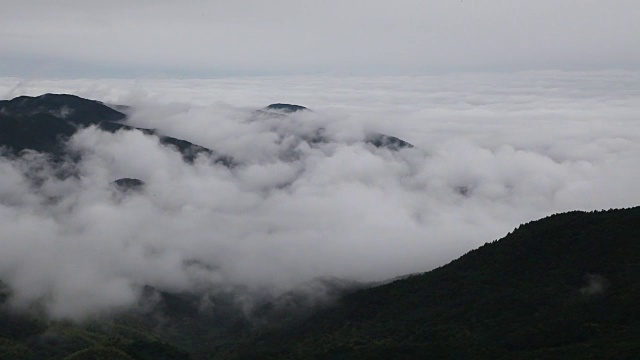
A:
<point x="493" y="151"/>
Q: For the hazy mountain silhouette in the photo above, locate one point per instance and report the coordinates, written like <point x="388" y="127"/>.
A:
<point x="319" y="136"/>
<point x="44" y="122"/>
<point x="286" y="108"/>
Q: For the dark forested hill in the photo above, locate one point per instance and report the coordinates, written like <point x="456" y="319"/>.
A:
<point x="44" y="122"/>
<point x="564" y="287"/>
<point x="40" y="123"/>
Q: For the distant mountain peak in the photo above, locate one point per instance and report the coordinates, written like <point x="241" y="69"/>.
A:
<point x="387" y="141"/>
<point x="42" y="123"/>
<point x="71" y="108"/>
<point x="376" y="139"/>
<point x="129" y="184"/>
<point x="286" y="108"/>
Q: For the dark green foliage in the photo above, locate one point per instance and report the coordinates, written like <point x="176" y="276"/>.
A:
<point x="62" y="340"/>
<point x="13" y="350"/>
<point x="152" y="350"/>
<point x="180" y="320"/>
<point x="19" y="326"/>
<point x="15" y="327"/>
<point x="99" y="353"/>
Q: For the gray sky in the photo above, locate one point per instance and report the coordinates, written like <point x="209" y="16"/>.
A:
<point x="89" y="38"/>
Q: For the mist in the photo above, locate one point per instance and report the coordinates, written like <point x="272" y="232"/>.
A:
<point x="491" y="151"/>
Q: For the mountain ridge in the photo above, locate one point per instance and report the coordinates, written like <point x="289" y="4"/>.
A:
<point x="565" y="286"/>
<point x="42" y="123"/>
<point x="561" y="297"/>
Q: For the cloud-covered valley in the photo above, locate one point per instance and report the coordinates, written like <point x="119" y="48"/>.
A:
<point x="491" y="151"/>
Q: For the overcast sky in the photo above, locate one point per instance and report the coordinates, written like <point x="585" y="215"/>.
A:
<point x="88" y="38"/>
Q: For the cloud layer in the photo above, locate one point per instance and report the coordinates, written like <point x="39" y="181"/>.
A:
<point x="492" y="151"/>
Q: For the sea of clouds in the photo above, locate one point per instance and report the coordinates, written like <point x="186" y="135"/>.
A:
<point x="492" y="151"/>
